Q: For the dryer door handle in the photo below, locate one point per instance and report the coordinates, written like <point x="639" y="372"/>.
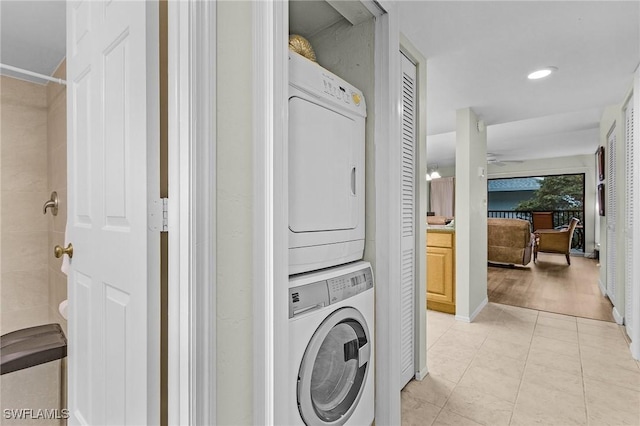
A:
<point x="353" y="180"/>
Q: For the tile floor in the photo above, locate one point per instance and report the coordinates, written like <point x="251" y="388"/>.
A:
<point x="516" y="366"/>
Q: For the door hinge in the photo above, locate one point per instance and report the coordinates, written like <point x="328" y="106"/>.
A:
<point x="159" y="215"/>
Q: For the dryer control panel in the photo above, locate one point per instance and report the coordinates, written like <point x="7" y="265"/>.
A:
<point x="316" y="295"/>
<point x="340" y="91"/>
<point x="321" y="83"/>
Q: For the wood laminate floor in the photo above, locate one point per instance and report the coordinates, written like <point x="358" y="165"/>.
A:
<point x="553" y="286"/>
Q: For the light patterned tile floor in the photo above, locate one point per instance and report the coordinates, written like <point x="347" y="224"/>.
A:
<point x="517" y="366"/>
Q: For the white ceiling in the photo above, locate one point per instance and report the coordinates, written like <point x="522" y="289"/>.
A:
<point x="480" y="52"/>
<point x="478" y="55"/>
<point x="32" y="36"/>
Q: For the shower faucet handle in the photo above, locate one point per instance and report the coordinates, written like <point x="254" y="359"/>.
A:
<point x="52" y="203"/>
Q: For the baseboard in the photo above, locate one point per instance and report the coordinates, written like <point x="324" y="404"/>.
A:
<point x="475" y="313"/>
<point x="617" y="317"/>
<point x="463" y="319"/>
<point x="635" y="351"/>
<point x="603" y="289"/>
<point x="420" y="375"/>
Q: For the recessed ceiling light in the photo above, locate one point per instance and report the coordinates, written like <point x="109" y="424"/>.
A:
<point x="541" y="73"/>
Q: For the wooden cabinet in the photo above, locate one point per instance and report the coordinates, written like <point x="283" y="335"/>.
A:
<point x="441" y="282"/>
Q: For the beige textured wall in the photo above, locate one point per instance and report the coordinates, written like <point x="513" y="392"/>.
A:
<point x="24" y="188"/>
<point x="234" y="234"/>
<point x="57" y="181"/>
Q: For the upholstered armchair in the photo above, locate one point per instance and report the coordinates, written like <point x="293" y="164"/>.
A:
<point x="555" y="240"/>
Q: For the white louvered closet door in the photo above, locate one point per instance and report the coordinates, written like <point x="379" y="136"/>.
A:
<point x="630" y="216"/>
<point x="408" y="281"/>
<point x="610" y="213"/>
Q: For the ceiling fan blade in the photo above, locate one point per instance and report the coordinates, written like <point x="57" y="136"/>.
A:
<point x="502" y="163"/>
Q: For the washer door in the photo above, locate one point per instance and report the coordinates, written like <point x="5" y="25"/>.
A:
<point x="334" y="369"/>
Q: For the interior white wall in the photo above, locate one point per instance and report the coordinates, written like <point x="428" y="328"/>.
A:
<point x="560" y="165"/>
<point x="447" y="171"/>
<point x="234" y="237"/>
<point x="471" y="216"/>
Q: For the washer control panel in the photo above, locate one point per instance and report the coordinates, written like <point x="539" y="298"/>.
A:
<point x="349" y="285"/>
<point x="316" y="295"/>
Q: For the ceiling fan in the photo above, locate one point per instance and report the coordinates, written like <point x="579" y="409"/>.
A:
<point x="494" y="159"/>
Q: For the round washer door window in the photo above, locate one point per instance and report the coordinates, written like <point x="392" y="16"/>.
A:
<point x="334" y="369"/>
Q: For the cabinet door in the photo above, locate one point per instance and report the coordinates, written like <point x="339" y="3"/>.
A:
<point x="440" y="274"/>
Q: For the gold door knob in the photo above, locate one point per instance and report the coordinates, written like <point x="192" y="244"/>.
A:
<point x="59" y="251"/>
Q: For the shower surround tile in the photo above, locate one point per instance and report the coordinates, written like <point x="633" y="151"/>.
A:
<point x="32" y="163"/>
<point x="57" y="181"/>
<point x="24" y="168"/>
<point x="24" y="290"/>
<point x="24" y="251"/>
<point x="22" y="211"/>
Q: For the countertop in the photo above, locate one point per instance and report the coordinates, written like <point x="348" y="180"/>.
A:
<point x="443" y="229"/>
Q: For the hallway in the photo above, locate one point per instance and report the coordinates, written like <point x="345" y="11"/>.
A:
<point x="517" y="366"/>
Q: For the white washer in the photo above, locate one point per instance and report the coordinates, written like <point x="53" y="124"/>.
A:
<point x="326" y="168"/>
<point x="331" y="340"/>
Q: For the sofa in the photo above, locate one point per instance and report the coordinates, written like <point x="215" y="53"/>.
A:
<point x="509" y="241"/>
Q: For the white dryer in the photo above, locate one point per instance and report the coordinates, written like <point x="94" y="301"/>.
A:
<point x="331" y="340"/>
<point x="326" y="168"/>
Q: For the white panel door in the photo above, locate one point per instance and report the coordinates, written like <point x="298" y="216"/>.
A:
<point x="610" y="213"/>
<point x="113" y="176"/>
<point x="408" y="260"/>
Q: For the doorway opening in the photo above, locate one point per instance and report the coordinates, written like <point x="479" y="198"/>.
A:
<point x="548" y="283"/>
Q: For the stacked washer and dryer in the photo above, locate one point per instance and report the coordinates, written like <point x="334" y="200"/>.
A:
<point x="331" y="299"/>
